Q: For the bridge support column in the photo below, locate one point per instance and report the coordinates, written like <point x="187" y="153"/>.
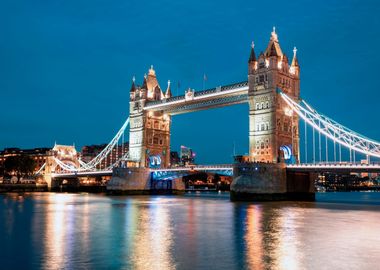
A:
<point x="138" y="181"/>
<point x="269" y="182"/>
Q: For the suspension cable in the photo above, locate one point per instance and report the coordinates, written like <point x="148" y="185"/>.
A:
<point x="343" y="135"/>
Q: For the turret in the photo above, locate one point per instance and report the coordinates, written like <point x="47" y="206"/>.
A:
<point x="168" y="93"/>
<point x="294" y="68"/>
<point x="252" y="62"/>
<point x="133" y="89"/>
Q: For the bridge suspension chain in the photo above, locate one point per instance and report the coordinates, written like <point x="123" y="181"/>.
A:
<point x="342" y="135"/>
<point x="109" y="148"/>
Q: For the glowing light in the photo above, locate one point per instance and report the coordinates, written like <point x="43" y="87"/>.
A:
<point x="288" y="111"/>
<point x="266" y="63"/>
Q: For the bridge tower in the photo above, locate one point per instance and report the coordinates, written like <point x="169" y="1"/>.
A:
<point x="273" y="127"/>
<point x="149" y="136"/>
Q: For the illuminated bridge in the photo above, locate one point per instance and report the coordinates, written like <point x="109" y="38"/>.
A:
<point x="277" y="118"/>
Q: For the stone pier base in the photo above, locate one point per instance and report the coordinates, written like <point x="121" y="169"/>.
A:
<point x="270" y="182"/>
<point x="138" y="181"/>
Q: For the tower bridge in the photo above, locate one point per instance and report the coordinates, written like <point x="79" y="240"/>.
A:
<point x="273" y="168"/>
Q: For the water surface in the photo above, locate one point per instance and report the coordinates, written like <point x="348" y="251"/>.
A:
<point x="196" y="231"/>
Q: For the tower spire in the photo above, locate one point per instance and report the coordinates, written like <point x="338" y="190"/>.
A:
<point x="168" y="93"/>
<point x="133" y="86"/>
<point x="295" y="60"/>
<point x="274" y="34"/>
<point x="252" y="56"/>
<point x="273" y="48"/>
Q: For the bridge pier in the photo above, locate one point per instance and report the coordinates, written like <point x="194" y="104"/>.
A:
<point x="256" y="181"/>
<point x="139" y="181"/>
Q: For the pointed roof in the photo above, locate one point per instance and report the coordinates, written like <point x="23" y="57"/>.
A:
<point x="168" y="93"/>
<point x="151" y="79"/>
<point x="252" y="56"/>
<point x="295" y="60"/>
<point x="133" y="87"/>
<point x="273" y="51"/>
<point x="144" y="85"/>
<point x="273" y="48"/>
<point x="285" y="58"/>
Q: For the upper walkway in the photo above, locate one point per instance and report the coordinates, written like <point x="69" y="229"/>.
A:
<point x="200" y="100"/>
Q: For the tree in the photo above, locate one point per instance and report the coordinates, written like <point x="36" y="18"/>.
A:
<point x="20" y="166"/>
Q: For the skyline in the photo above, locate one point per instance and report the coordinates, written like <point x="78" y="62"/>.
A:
<point x="77" y="56"/>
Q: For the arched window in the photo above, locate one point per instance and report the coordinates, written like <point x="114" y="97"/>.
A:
<point x="267" y="104"/>
<point x="155" y="140"/>
<point x="257" y="127"/>
<point x="257" y="106"/>
<point x="156" y="124"/>
<point x="262" y="126"/>
<point x="266" y="126"/>
<point x="262" y="105"/>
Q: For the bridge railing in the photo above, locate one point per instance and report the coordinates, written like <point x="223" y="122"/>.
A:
<point x="200" y="93"/>
<point x="334" y="164"/>
<point x="196" y="167"/>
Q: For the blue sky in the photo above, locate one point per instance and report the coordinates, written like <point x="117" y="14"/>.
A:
<point x="66" y="66"/>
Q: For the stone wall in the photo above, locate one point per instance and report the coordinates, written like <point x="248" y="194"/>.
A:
<point x="255" y="181"/>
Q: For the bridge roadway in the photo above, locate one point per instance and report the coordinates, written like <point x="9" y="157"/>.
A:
<point x="223" y="168"/>
<point x="226" y="169"/>
<point x="342" y="167"/>
<point x="200" y="100"/>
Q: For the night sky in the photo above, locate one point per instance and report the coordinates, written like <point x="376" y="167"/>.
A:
<point x="66" y="66"/>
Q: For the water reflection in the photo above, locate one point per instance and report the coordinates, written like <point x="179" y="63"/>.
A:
<point x="70" y="231"/>
<point x="153" y="241"/>
<point x="56" y="231"/>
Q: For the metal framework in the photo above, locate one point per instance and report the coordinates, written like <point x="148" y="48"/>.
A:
<point x="332" y="129"/>
<point x="171" y="173"/>
<point x="200" y="100"/>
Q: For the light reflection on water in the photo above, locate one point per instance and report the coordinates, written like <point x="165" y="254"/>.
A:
<point x="69" y="231"/>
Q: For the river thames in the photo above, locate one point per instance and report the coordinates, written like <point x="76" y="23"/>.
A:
<point x="195" y="231"/>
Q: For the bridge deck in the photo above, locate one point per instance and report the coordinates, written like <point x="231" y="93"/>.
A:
<point x="334" y="167"/>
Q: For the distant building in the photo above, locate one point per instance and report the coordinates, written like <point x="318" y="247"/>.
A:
<point x="174" y="159"/>
<point x="346" y="182"/>
<point x="37" y="154"/>
<point x="187" y="155"/>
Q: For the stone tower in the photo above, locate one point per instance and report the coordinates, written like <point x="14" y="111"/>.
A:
<point x="149" y="136"/>
<point x="273" y="127"/>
